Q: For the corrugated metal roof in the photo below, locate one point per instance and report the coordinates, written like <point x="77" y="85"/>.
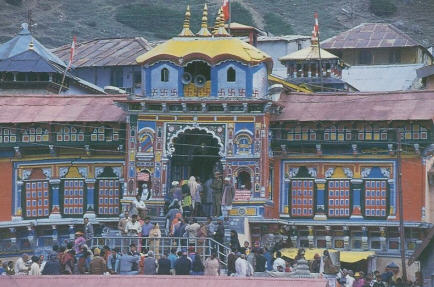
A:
<point x="157" y="281"/>
<point x="393" y="106"/>
<point x="105" y="52"/>
<point x="48" y="108"/>
<point x="286" y="38"/>
<point x="370" y="35"/>
<point x="309" y="53"/>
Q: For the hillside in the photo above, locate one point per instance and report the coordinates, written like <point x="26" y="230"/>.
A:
<point x="57" y="21"/>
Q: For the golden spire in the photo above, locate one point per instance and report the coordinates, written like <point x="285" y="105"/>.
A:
<point x="203" y="32"/>
<point x="217" y="22"/>
<point x="220" y="30"/>
<point x="186" y="32"/>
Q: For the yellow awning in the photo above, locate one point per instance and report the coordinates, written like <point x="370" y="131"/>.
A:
<point x="345" y="256"/>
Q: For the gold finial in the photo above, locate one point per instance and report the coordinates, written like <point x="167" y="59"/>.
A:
<point x="31" y="44"/>
<point x="221" y="30"/>
<point x="217" y="22"/>
<point x="204" y="26"/>
<point x="186" y="32"/>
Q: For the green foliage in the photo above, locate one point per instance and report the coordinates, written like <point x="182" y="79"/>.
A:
<point x="15" y="2"/>
<point x="275" y="25"/>
<point x="382" y="7"/>
<point x="241" y="15"/>
<point x="162" y="21"/>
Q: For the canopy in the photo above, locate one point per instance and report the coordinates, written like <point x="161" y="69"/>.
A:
<point x="345" y="256"/>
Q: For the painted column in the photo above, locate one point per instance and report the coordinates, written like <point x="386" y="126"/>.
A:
<point x="30" y="235"/>
<point x="71" y="231"/>
<point x="320" y="199"/>
<point x="55" y="210"/>
<point x="392" y="199"/>
<point x="13" y="235"/>
<point x="365" y="245"/>
<point x="18" y="209"/>
<point x="294" y="236"/>
<point x="383" y="238"/>
<point x="54" y="234"/>
<point x="346" y="238"/>
<point x="356" y="187"/>
<point x="284" y="208"/>
<point x="328" y="236"/>
<point x="90" y="196"/>
<point x="310" y="237"/>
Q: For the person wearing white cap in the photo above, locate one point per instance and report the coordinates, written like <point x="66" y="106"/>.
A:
<point x="228" y="196"/>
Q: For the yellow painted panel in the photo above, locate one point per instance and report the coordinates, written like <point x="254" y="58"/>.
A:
<point x="251" y="211"/>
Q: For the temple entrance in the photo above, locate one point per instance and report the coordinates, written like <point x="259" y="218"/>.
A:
<point x="196" y="154"/>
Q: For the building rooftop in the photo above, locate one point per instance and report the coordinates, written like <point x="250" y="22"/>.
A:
<point x="309" y="53"/>
<point x="105" y="52"/>
<point x="47" y="108"/>
<point x="391" y="106"/>
<point x="285" y="38"/>
<point x="370" y="35"/>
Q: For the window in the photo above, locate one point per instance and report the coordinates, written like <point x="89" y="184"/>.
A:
<point x="339" y="198"/>
<point x="108" y="196"/>
<point x="7" y="135"/>
<point x="117" y="78"/>
<point x="372" y="134"/>
<point x="98" y="134"/>
<point x="337" y="134"/>
<point x="395" y="56"/>
<point x="137" y="79"/>
<point x="164" y="75"/>
<point x="231" y="75"/>
<point x="243" y="144"/>
<point x="302" y="195"/>
<point x="70" y="134"/>
<point x="37" y="199"/>
<point x="375" y="198"/>
<point x="244" y="181"/>
<point x="73" y="197"/>
<point x="35" y="135"/>
<point x="365" y="57"/>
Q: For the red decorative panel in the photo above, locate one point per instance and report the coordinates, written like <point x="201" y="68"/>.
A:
<point x="375" y="198"/>
<point x="73" y="196"/>
<point x="37" y="199"/>
<point x="302" y="198"/>
<point x="108" y="197"/>
<point x="339" y="198"/>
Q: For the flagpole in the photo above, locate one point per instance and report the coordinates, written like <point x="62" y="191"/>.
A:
<point x="230" y="16"/>
<point x="319" y="53"/>
<point x="71" y="57"/>
<point x="63" y="80"/>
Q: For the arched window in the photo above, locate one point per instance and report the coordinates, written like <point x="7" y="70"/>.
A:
<point x="244" y="181"/>
<point x="164" y="75"/>
<point x="231" y="76"/>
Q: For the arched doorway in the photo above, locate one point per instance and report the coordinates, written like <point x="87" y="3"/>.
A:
<point x="196" y="154"/>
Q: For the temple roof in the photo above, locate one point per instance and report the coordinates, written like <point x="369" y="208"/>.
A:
<point x="389" y="106"/>
<point x="308" y="53"/>
<point x="370" y="35"/>
<point x="210" y="49"/>
<point x="54" y="108"/>
<point x="24" y="42"/>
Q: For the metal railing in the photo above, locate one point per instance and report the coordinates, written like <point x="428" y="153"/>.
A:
<point x="163" y="245"/>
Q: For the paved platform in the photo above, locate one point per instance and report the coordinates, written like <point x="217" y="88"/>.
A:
<point x="154" y="281"/>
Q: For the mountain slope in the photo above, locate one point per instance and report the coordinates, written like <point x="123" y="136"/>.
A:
<point x="57" y="21"/>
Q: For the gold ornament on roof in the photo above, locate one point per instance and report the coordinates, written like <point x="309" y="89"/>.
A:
<point x="219" y="29"/>
<point x="186" y="32"/>
<point x="203" y="32"/>
<point x="217" y="22"/>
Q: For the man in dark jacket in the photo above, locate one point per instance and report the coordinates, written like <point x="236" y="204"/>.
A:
<point x="231" y="262"/>
<point x="149" y="264"/>
<point x="52" y="267"/>
<point x="220" y="232"/>
<point x="183" y="265"/>
<point x="260" y="260"/>
<point x="164" y="265"/>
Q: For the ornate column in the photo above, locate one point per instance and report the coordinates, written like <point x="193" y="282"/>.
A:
<point x="30" y="234"/>
<point x="54" y="234"/>
<point x="356" y="187"/>
<point x="365" y="245"/>
<point x="55" y="210"/>
<point x="293" y="236"/>
<point x="284" y="205"/>
<point x="320" y="213"/>
<point x="90" y="207"/>
<point x="13" y="236"/>
<point x="392" y="199"/>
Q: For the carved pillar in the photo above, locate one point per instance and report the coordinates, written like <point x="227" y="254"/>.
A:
<point x="54" y="234"/>
<point x="320" y="213"/>
<point x="328" y="237"/>
<point x="13" y="235"/>
<point x="30" y="234"/>
<point x="365" y="245"/>
<point x="55" y="210"/>
<point x="392" y="199"/>
<point x="90" y="207"/>
<point x="356" y="187"/>
<point x="285" y="197"/>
